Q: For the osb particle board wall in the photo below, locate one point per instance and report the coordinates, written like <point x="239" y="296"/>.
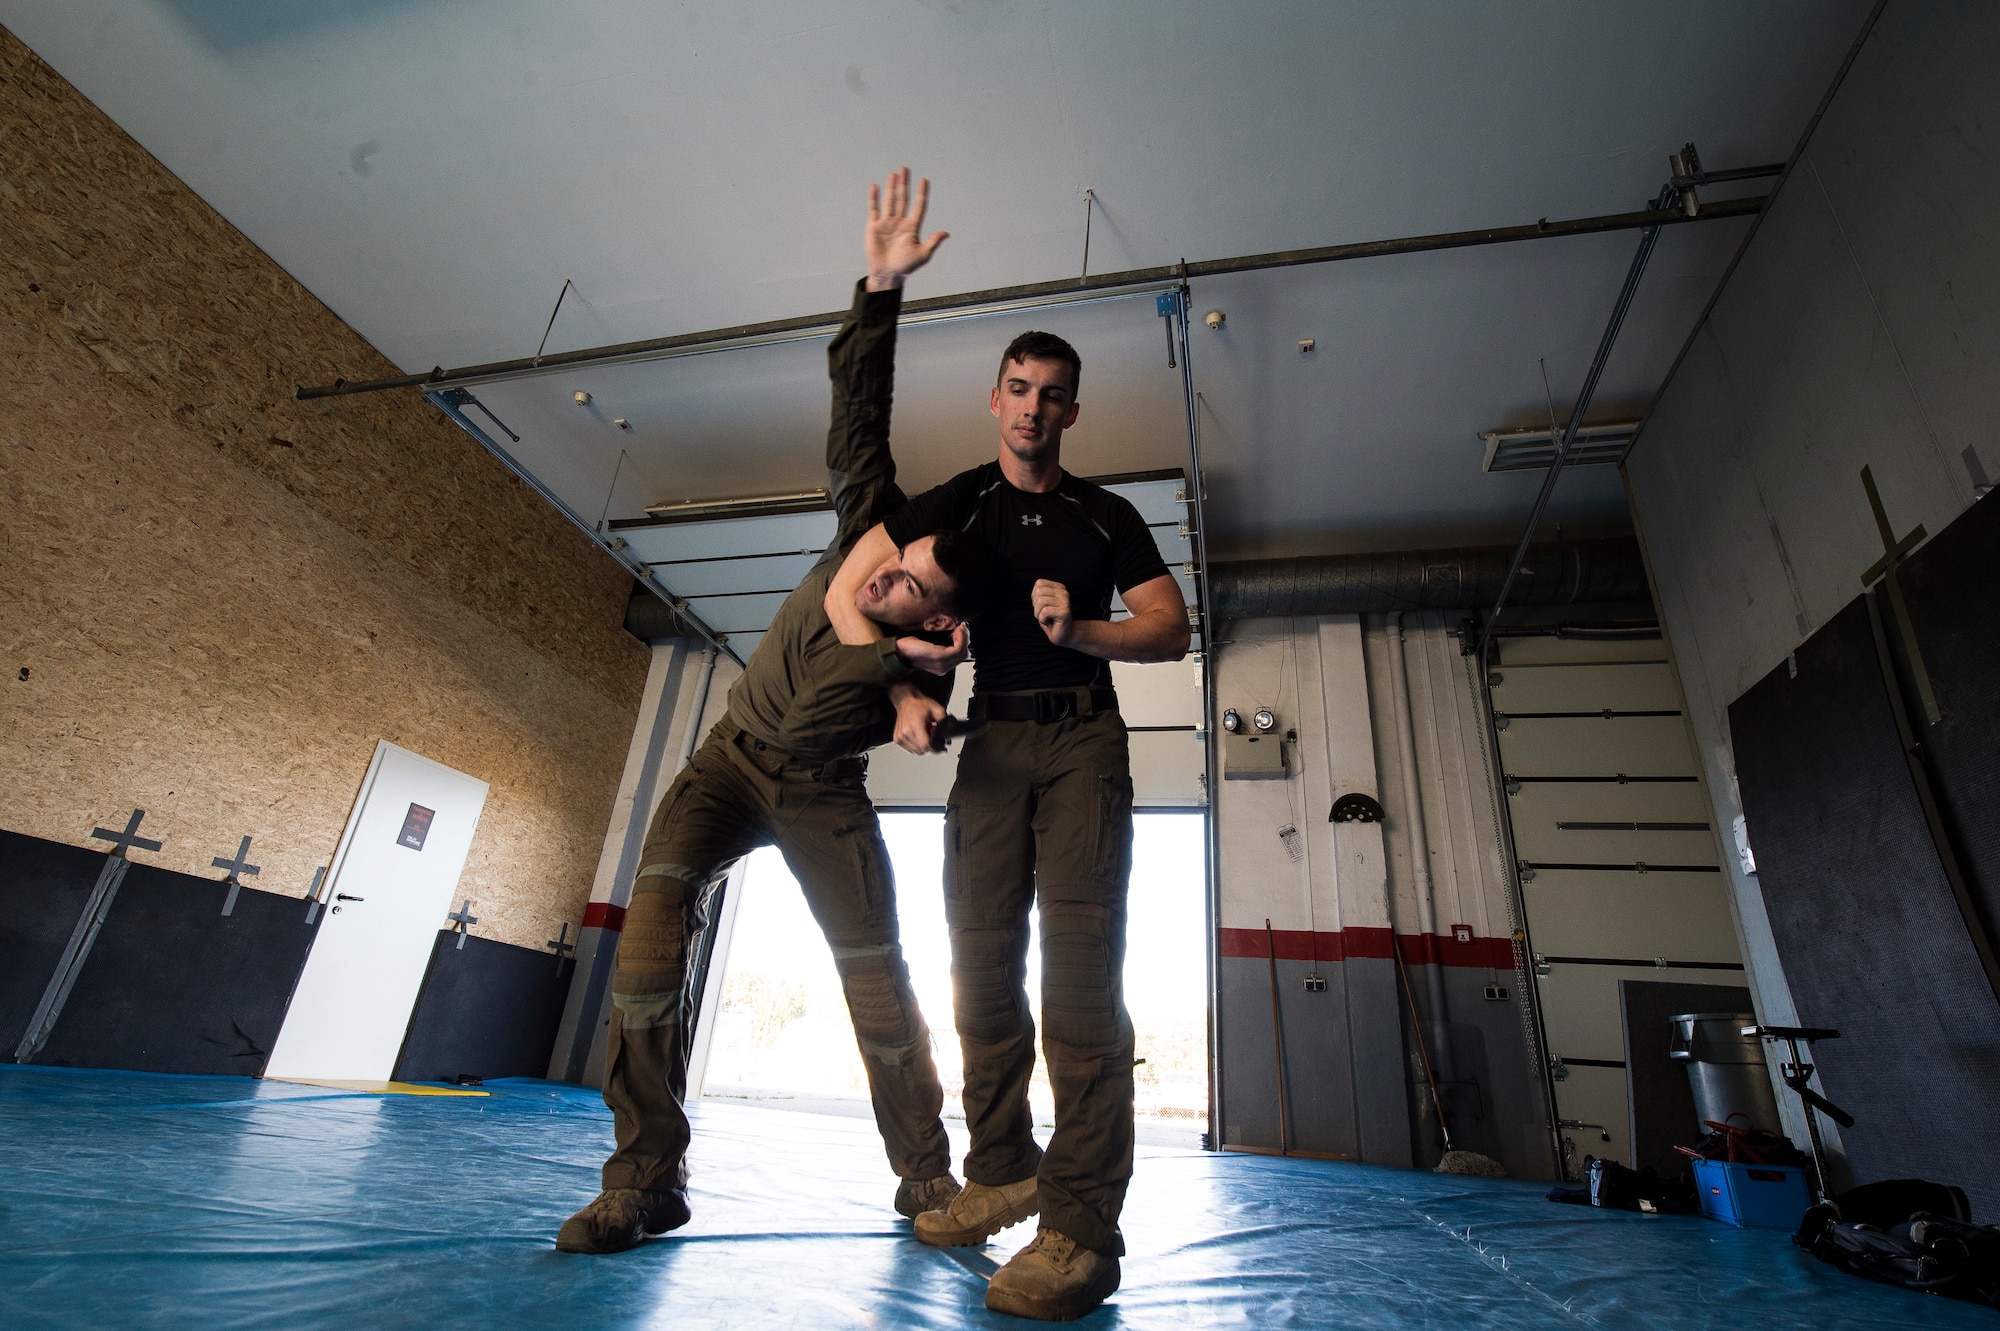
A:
<point x="217" y="599"/>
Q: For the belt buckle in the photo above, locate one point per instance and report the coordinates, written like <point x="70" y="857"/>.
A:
<point x="1053" y="707"/>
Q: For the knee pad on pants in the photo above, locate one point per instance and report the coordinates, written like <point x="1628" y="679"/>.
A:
<point x="1083" y="954"/>
<point x="988" y="977"/>
<point x="652" y="949"/>
<point x="882" y="1005"/>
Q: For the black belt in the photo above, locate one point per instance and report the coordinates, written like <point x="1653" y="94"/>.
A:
<point x="838" y="769"/>
<point x="1041" y="708"/>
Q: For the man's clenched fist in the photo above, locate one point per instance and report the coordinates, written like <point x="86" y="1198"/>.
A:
<point x="1050" y="601"/>
<point x="916" y="713"/>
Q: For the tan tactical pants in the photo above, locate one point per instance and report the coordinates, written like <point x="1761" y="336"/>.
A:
<point x="734" y="796"/>
<point x="1041" y="816"/>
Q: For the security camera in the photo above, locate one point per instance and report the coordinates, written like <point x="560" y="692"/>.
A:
<point x="1215" y="318"/>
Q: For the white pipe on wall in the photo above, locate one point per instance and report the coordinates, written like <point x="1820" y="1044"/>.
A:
<point x="692" y="739"/>
<point x="1420" y="848"/>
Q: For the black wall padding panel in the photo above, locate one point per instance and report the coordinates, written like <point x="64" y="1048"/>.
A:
<point x="173" y="985"/>
<point x="488" y="1009"/>
<point x="1952" y="588"/>
<point x="1660" y="1102"/>
<point x="1870" y="936"/>
<point x="43" y="888"/>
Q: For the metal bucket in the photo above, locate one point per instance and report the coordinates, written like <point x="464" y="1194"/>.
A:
<point x="1725" y="1068"/>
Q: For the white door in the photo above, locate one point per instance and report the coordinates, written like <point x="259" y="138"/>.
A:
<point x="387" y="895"/>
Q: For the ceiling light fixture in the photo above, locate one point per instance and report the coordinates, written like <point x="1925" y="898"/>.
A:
<point x="1535" y="449"/>
<point x="799" y="501"/>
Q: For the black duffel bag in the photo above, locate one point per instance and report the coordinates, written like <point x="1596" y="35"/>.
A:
<point x="1934" y="1247"/>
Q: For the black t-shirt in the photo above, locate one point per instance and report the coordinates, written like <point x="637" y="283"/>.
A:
<point x="1079" y="534"/>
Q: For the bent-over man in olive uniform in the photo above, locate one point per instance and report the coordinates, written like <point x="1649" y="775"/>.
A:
<point x="785" y="765"/>
<point x="1040" y="815"/>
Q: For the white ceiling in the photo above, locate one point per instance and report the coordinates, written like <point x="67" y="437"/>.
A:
<point x="434" y="169"/>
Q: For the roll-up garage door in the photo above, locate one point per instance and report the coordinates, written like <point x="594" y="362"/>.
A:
<point x="1618" y="864"/>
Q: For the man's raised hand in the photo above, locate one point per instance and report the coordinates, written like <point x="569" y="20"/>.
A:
<point x="894" y="238"/>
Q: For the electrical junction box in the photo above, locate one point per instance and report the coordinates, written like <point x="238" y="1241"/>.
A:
<point x="1253" y="758"/>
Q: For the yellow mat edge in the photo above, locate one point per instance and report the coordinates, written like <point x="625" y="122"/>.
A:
<point x="377" y="1087"/>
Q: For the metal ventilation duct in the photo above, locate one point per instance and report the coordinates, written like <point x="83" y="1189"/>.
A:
<point x="649" y="619"/>
<point x="1565" y="573"/>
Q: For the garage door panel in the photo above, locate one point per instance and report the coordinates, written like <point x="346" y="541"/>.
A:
<point x="1164" y="693"/>
<point x="738" y="614"/>
<point x="1679" y="916"/>
<point x="1167" y="769"/>
<point x="1593" y="746"/>
<point x="787" y="533"/>
<point x="1580" y="1009"/>
<point x="1641" y="687"/>
<point x="730" y="577"/>
<point x="1544" y="805"/>
<point x="1568" y="840"/>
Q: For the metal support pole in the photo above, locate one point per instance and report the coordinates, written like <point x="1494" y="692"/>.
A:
<point x="1176" y="305"/>
<point x="1647" y="240"/>
<point x="1031" y="295"/>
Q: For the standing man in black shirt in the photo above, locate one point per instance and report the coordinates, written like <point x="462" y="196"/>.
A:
<point x="1040" y="815"/>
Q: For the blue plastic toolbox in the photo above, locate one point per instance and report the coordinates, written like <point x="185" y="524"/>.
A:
<point x="1752" y="1196"/>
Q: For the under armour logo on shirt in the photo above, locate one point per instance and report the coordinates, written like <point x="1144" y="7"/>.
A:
<point x="1031" y="519"/>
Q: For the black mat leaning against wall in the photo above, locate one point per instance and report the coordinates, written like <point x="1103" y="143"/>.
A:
<point x="171" y="984"/>
<point x="44" y="886"/>
<point x="1871" y="937"/>
<point x="487" y="1009"/>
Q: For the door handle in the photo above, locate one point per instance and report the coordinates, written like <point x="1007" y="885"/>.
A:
<point x="342" y="896"/>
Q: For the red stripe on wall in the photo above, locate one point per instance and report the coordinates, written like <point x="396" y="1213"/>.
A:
<point x="604" y="915"/>
<point x="1339" y="945"/>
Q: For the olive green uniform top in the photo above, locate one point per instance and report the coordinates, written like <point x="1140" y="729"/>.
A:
<point x="804" y="691"/>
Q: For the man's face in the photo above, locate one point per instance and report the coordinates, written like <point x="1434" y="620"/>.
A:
<point x="1035" y="402"/>
<point x="905" y="592"/>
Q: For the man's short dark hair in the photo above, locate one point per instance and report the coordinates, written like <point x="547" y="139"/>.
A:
<point x="1042" y="346"/>
<point x="967" y="561"/>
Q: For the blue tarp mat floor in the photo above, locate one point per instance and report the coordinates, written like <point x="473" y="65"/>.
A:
<point x="129" y="1199"/>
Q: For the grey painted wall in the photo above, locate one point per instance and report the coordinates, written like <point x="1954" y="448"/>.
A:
<point x="1355" y="1087"/>
<point x="1860" y="327"/>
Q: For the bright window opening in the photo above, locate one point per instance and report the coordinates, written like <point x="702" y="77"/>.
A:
<point x="783" y="1032"/>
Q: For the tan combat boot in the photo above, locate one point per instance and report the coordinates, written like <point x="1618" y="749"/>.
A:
<point x="1053" y="1279"/>
<point x="978" y="1213"/>
<point x="914" y="1196"/>
<point x="619" y="1218"/>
